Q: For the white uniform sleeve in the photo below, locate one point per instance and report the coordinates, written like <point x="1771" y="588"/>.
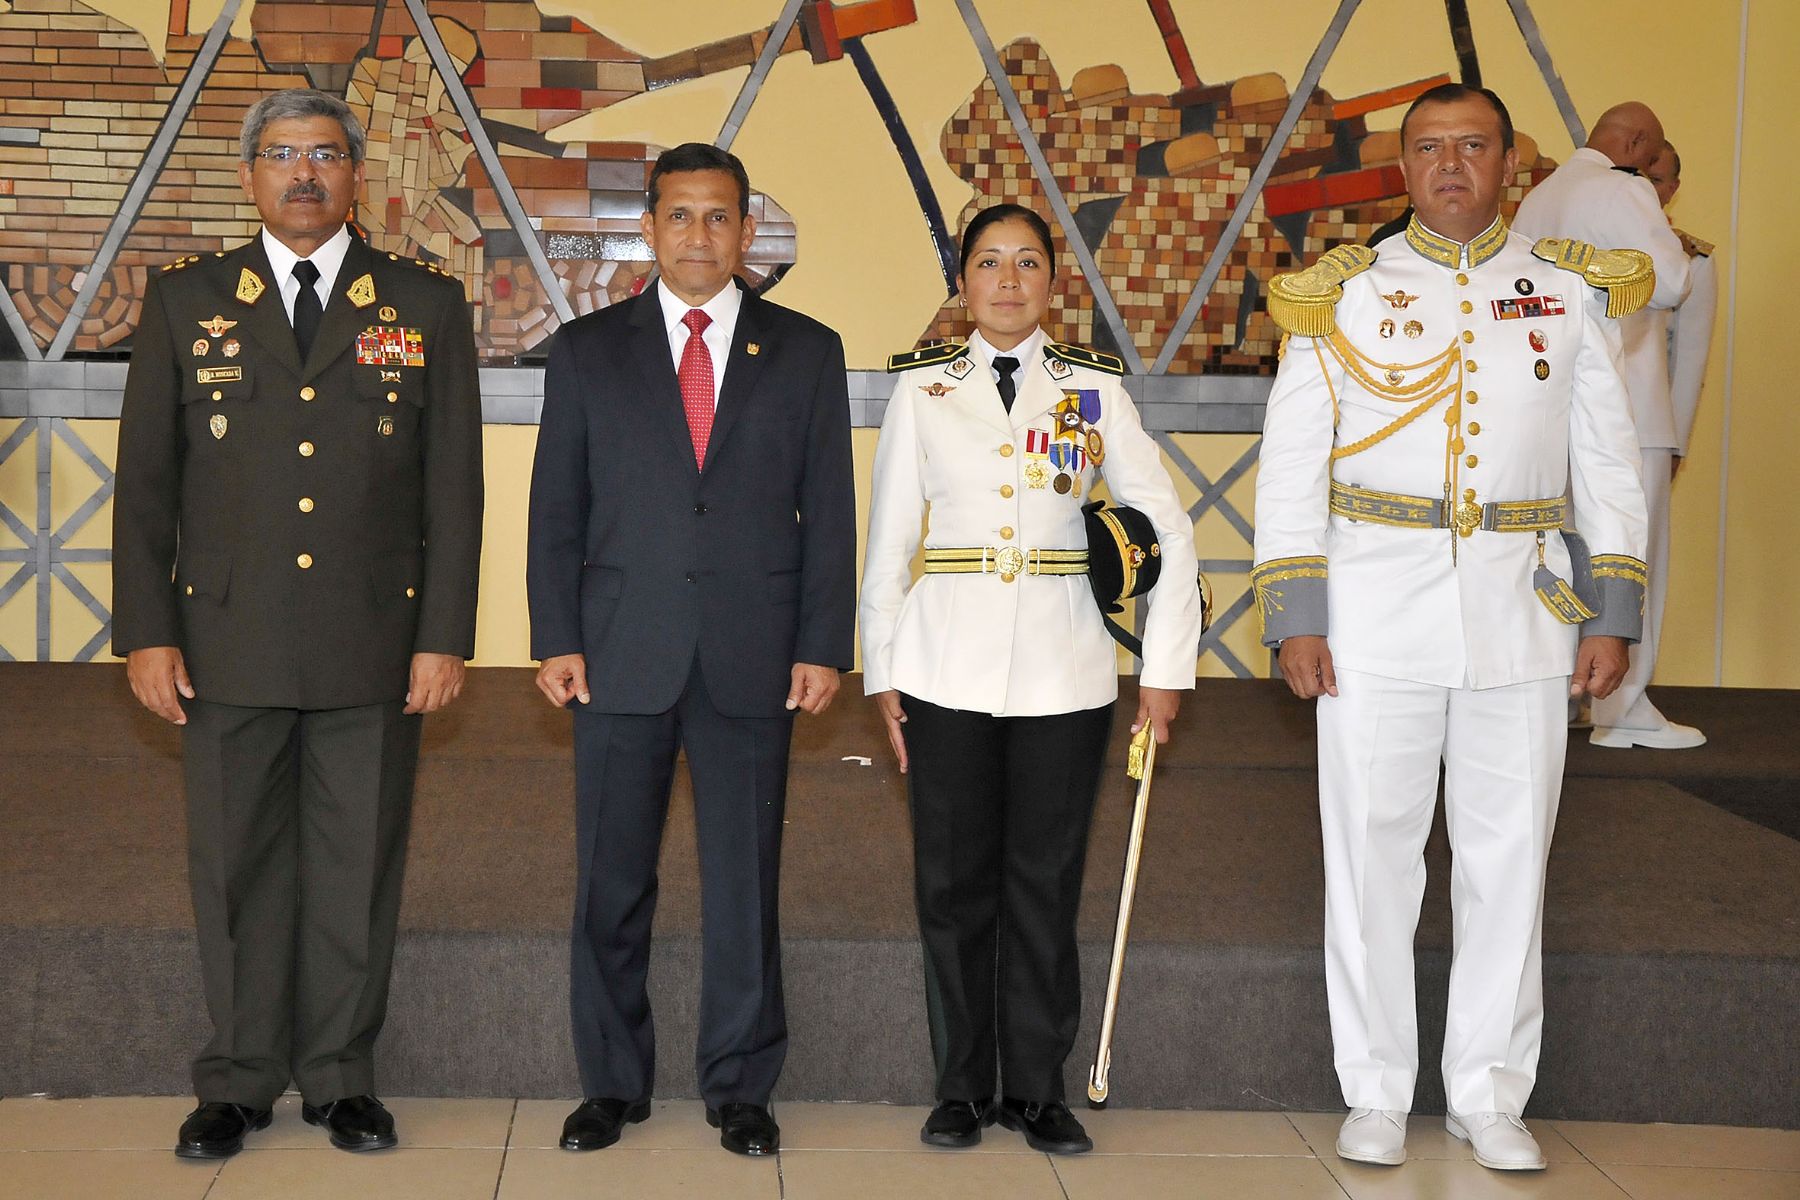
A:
<point x="1691" y="341"/>
<point x="896" y="514"/>
<point x="1136" y="477"/>
<point x="1645" y="227"/>
<point x="1292" y="480"/>
<point x="1604" y="485"/>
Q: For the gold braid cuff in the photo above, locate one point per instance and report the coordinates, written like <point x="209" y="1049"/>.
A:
<point x="1628" y="277"/>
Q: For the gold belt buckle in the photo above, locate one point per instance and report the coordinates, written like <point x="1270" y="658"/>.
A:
<point x="1468" y="517"/>
<point x="1010" y="560"/>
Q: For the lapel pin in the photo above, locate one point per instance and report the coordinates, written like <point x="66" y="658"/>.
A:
<point x="752" y="348"/>
<point x="201" y="346"/>
<point x="388" y="313"/>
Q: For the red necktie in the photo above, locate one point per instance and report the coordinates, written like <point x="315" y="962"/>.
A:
<point x="697" y="383"/>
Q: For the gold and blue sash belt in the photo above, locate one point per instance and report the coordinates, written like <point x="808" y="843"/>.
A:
<point x="1008" y="562"/>
<point x="1424" y="512"/>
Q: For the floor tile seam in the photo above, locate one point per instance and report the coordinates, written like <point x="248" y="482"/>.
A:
<point x="1061" y="1184"/>
<point x="512" y="1118"/>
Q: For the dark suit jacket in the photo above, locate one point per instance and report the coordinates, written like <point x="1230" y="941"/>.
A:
<point x="639" y="560"/>
<point x="386" y="506"/>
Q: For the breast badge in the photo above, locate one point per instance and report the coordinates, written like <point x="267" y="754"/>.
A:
<point x="385" y="426"/>
<point x="1387" y="327"/>
<point x="231" y="348"/>
<point x="1538" y="341"/>
<point x="200" y="347"/>
<point x="937" y="391"/>
<point x="1541" y="369"/>
<point x="1399" y="299"/>
<point x="1414" y="329"/>
<point x="218" y="325"/>
<point x="1523" y="286"/>
<point x="388" y="314"/>
<point x="219" y="425"/>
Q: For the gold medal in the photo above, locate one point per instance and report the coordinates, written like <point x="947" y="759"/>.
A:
<point x="1063" y="484"/>
<point x="1413" y="329"/>
<point x="1036" y="474"/>
<point x="1096" y="447"/>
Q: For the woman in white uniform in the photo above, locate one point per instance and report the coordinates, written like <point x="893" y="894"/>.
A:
<point x="995" y="674"/>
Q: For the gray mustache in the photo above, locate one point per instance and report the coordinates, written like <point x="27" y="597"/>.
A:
<point x="305" y="190"/>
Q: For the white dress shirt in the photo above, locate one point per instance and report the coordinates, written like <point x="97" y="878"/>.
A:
<point x="329" y="258"/>
<point x="722" y="308"/>
<point x="1027" y="352"/>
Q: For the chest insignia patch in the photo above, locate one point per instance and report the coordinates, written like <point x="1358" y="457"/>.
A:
<point x="1399" y="299"/>
<point x="1528" y="308"/>
<point x="218" y="325"/>
<point x="937" y="391"/>
<point x="362" y="292"/>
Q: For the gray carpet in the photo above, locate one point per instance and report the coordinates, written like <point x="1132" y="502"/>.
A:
<point x="1673" y="934"/>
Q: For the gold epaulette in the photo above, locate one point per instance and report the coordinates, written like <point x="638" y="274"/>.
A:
<point x="1305" y="302"/>
<point x="1626" y="276"/>
<point x="181" y="264"/>
<point x="926" y="356"/>
<point x="1693" y="245"/>
<point x="1081" y="356"/>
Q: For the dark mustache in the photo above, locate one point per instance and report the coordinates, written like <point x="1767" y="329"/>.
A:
<point x="306" y="189"/>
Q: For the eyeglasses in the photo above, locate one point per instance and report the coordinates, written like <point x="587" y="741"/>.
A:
<point x="323" y="156"/>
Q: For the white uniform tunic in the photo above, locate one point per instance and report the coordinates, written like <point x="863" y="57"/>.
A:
<point x="950" y="456"/>
<point x="1443" y="662"/>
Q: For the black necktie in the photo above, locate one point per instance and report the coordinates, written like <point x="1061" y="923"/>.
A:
<point x="307" y="309"/>
<point x="1008" y="388"/>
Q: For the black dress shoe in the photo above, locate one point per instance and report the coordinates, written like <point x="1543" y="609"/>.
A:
<point x="217" y="1129"/>
<point x="355" y="1123"/>
<point x="957" y="1123"/>
<point x="1051" y="1128"/>
<point x="596" y="1122"/>
<point x="745" y="1128"/>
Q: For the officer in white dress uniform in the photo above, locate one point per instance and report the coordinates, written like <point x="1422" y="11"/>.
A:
<point x="1598" y="197"/>
<point x="995" y="673"/>
<point x="1436" y="399"/>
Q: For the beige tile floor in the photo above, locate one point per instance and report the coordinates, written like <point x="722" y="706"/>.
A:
<point x="118" y="1149"/>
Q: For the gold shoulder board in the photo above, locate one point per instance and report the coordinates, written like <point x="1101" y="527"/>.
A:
<point x="1081" y="356"/>
<point x="1626" y="276"/>
<point x="926" y="356"/>
<point x="1693" y="245"/>
<point x="1305" y="302"/>
<point x="183" y="263"/>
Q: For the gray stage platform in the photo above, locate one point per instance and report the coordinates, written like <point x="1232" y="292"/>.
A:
<point x="1673" y="934"/>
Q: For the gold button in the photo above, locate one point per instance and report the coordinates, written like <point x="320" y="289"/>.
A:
<point x="1472" y="398"/>
<point x="393" y="396"/>
<point x="1468" y="336"/>
<point x="1472" y="461"/>
<point x="1471" y="366"/>
<point x="1467" y="307"/>
<point x="1006" y="491"/>
<point x="218" y="395"/>
<point x="1006" y="531"/>
<point x="1006" y="577"/>
<point x="306" y="504"/>
<point x="410" y="593"/>
<point x="1461" y="278"/>
<point x="306" y="393"/>
<point x="304" y="561"/>
<point x="190" y="589"/>
<point x="306" y="449"/>
<point x="1474" y="427"/>
<point x="1006" y="450"/>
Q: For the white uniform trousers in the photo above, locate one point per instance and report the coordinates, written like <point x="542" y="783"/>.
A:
<point x="1380" y="743"/>
<point x="1629" y="707"/>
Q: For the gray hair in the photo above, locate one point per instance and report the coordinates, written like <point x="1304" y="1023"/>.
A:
<point x="300" y="103"/>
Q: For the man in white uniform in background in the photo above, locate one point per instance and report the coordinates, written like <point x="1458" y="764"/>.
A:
<point x="1598" y="197"/>
<point x="1438" y="397"/>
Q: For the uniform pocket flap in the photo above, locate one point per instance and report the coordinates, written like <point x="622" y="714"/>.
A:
<point x="596" y="580"/>
<point x="395" y="578"/>
<point x="394" y="385"/>
<point x="220" y="381"/>
<point x="203" y="575"/>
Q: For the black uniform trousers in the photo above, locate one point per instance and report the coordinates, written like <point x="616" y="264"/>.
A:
<point x="1000" y="813"/>
<point x="297" y="826"/>
<point x="624" y="765"/>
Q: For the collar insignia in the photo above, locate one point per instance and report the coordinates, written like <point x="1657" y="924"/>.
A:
<point x="249" y="286"/>
<point x="362" y="292"/>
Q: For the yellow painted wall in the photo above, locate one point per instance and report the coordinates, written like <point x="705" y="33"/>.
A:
<point x="813" y="141"/>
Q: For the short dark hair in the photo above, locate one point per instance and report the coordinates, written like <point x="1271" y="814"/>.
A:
<point x="699" y="156"/>
<point x="1005" y="212"/>
<point x="1446" y="93"/>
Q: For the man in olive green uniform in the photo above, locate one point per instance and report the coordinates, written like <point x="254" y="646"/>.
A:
<point x="296" y="538"/>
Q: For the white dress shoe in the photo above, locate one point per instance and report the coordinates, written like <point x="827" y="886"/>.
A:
<point x="1500" y="1140"/>
<point x="1373" y="1135"/>
<point x="1668" y="737"/>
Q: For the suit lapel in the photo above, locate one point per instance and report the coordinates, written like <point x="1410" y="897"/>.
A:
<point x="742" y="370"/>
<point x="1038" y="393"/>
<point x="264" y="318"/>
<point x="343" y="317"/>
<point x="650" y="349"/>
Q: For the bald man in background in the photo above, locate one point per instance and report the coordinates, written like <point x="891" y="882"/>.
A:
<point x="1599" y="196"/>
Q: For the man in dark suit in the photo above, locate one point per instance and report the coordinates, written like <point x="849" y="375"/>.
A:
<point x="296" y="537"/>
<point x="691" y="578"/>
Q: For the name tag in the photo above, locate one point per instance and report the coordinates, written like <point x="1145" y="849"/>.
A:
<point x="219" y="375"/>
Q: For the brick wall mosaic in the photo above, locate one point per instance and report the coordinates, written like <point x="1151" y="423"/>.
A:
<point x="1152" y="181"/>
